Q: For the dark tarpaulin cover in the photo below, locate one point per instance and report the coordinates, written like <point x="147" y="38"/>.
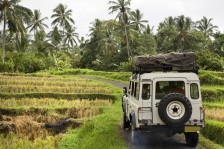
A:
<point x="170" y="59"/>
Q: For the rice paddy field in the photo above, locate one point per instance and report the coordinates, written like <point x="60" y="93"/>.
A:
<point x="35" y="111"/>
<point x="212" y="89"/>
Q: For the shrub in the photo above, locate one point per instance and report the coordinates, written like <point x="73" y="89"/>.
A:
<point x="6" y="67"/>
<point x="210" y="79"/>
<point x="26" y="62"/>
<point x="209" y="61"/>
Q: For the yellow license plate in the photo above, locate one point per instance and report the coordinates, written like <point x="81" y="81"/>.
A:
<point x="192" y="128"/>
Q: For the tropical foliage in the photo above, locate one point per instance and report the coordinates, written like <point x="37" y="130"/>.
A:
<point x="110" y="45"/>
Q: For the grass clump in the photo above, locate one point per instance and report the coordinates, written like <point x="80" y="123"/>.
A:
<point x="212" y="93"/>
<point x="214" y="130"/>
<point x="206" y="143"/>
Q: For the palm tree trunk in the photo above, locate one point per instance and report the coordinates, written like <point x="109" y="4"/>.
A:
<point x="127" y="42"/>
<point x="3" y="39"/>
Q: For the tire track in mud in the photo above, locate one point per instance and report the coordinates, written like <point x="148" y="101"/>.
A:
<point x="143" y="139"/>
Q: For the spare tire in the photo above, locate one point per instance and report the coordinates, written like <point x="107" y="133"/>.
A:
<point x="175" y="109"/>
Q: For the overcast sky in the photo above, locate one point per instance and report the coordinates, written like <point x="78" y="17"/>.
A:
<point x="155" y="11"/>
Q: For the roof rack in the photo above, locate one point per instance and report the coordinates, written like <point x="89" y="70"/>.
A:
<point x="180" y="62"/>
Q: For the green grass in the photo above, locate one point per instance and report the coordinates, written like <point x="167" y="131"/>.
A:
<point x="214" y="130"/>
<point x="103" y="131"/>
<point x="219" y="105"/>
<point x="212" y="93"/>
<point x="208" y="144"/>
<point x="119" y="76"/>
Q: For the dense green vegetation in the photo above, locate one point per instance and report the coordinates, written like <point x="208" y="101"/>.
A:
<point x="26" y="46"/>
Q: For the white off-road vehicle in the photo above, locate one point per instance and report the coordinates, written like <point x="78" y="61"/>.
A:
<point x="164" y="96"/>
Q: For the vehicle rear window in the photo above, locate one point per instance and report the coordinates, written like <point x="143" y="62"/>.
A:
<point x="165" y="87"/>
<point x="194" y="91"/>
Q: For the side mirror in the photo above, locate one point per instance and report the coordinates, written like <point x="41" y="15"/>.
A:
<point x="125" y="90"/>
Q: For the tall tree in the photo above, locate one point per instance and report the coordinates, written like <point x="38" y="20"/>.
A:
<point x="55" y="37"/>
<point x="137" y="21"/>
<point x="95" y="29"/>
<point x="183" y="26"/>
<point x="168" y="23"/>
<point x="70" y="37"/>
<point x="122" y="7"/>
<point x="37" y="22"/>
<point x="205" y="26"/>
<point x="62" y="16"/>
<point x="13" y="16"/>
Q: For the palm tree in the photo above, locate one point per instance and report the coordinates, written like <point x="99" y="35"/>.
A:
<point x="148" y="30"/>
<point x="70" y="37"/>
<point x="62" y="17"/>
<point x="95" y="29"/>
<point x="13" y="15"/>
<point x="37" y="22"/>
<point x="183" y="26"/>
<point x="168" y="23"/>
<point x="205" y="26"/>
<point x="55" y="37"/>
<point x="122" y="7"/>
<point x="136" y="20"/>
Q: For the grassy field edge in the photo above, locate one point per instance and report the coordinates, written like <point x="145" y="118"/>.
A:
<point x="102" y="131"/>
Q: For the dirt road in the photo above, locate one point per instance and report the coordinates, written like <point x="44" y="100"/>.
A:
<point x="147" y="140"/>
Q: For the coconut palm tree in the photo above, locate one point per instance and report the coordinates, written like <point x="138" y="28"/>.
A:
<point x="96" y="28"/>
<point x="14" y="16"/>
<point x="70" y="37"/>
<point x="62" y="16"/>
<point x="183" y="26"/>
<point x="55" y="37"/>
<point x="136" y="20"/>
<point x="148" y="30"/>
<point x="205" y="26"/>
<point x="36" y="23"/>
<point x="123" y="11"/>
<point x="168" y="23"/>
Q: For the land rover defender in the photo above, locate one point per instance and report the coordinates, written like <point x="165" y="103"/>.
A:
<point x="164" y="96"/>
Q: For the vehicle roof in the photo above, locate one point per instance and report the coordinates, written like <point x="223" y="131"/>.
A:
<point x="153" y="75"/>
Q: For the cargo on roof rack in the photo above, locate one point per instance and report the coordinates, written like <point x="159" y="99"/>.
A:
<point x="181" y="62"/>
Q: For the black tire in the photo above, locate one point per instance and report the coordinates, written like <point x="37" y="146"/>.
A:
<point x="172" y="106"/>
<point x="191" y="138"/>
<point x="125" y="122"/>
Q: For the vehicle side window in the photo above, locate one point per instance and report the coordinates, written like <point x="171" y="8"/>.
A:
<point x="137" y="90"/>
<point x="132" y="88"/>
<point x="194" y="91"/>
<point x="129" y="88"/>
<point x="145" y="91"/>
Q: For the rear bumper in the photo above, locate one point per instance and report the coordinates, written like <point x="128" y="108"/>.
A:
<point x="166" y="128"/>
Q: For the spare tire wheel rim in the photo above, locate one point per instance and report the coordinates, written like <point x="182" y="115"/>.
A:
<point x="175" y="110"/>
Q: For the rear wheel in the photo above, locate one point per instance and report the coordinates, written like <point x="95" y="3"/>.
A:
<point x="125" y="122"/>
<point x="191" y="138"/>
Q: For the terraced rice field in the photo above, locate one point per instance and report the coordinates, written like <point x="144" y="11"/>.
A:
<point x="35" y="119"/>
